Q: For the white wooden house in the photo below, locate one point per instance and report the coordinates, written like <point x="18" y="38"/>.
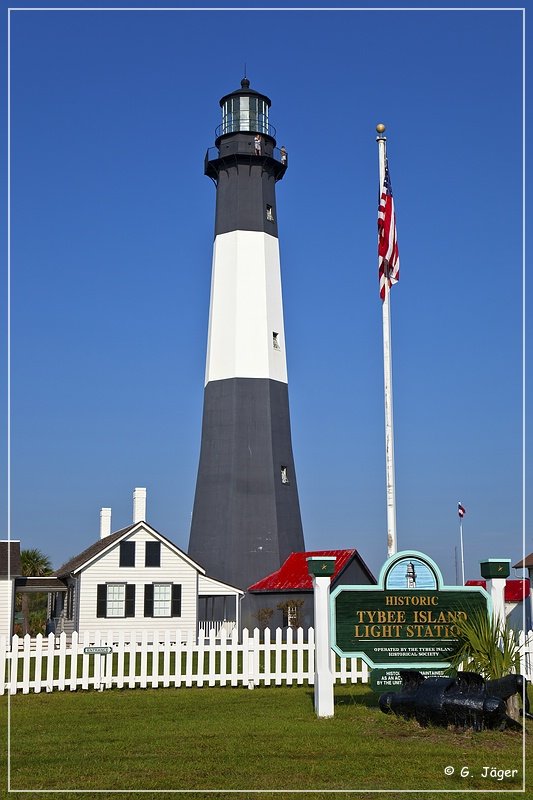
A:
<point x="135" y="580"/>
<point x="10" y="568"/>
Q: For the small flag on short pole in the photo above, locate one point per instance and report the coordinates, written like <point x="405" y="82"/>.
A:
<point x="461" y="510"/>
<point x="388" y="255"/>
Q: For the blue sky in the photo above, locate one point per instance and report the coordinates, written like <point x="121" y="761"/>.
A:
<point x="111" y="240"/>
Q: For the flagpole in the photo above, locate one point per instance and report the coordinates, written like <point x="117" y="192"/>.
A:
<point x="387" y="374"/>
<point x="462" y="550"/>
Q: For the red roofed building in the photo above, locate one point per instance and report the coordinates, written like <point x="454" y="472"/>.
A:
<point x="516" y="589"/>
<point x="291" y="587"/>
<point x="516" y="593"/>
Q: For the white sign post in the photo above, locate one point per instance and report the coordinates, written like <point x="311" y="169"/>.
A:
<point x="104" y="651"/>
<point x="321" y="568"/>
<point x="496" y="571"/>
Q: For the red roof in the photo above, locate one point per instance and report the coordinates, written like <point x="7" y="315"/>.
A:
<point x="516" y="590"/>
<point x="293" y="573"/>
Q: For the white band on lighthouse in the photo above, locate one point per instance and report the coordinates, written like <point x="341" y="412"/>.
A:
<point x="246" y="337"/>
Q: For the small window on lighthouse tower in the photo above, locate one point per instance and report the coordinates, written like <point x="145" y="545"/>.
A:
<point x="270" y="214"/>
<point x="284" y="475"/>
<point x="275" y="341"/>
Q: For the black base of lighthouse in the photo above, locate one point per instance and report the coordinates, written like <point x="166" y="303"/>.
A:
<point x="246" y="517"/>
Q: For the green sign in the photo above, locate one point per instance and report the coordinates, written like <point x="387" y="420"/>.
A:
<point x="97" y="651"/>
<point x="409" y="620"/>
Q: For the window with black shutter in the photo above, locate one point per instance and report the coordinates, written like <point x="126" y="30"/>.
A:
<point x="115" y="600"/>
<point x="149" y="600"/>
<point x="101" y="600"/>
<point x="176" y="600"/>
<point x="127" y="554"/>
<point x="130" y="600"/>
<point x="152" y="554"/>
<point x="156" y="600"/>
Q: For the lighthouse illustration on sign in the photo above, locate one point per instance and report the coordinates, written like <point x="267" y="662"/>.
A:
<point x="246" y="515"/>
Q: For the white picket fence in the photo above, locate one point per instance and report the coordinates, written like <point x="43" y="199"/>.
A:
<point x="148" y="659"/>
<point x="526" y="654"/>
<point x="221" y="627"/>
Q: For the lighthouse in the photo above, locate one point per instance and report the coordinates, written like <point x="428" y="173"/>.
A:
<point x="410" y="576"/>
<point x="246" y="515"/>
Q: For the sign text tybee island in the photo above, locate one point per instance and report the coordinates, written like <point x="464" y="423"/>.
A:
<point x="409" y="620"/>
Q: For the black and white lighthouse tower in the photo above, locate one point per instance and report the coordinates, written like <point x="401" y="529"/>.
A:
<point x="246" y="516"/>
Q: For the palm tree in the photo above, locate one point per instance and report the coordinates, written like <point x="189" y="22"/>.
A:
<point x="487" y="645"/>
<point x="35" y="564"/>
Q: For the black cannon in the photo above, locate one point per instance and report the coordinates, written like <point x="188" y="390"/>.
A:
<point x="466" y="701"/>
<point x="508" y="686"/>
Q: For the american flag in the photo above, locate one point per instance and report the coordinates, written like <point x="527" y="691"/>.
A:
<point x="388" y="256"/>
<point x="461" y="510"/>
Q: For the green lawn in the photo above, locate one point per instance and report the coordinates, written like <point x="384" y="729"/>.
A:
<point x="224" y="738"/>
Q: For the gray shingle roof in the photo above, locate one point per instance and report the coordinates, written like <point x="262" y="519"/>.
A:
<point x="12" y="547"/>
<point x="45" y="584"/>
<point x="525" y="562"/>
<point x="77" y="561"/>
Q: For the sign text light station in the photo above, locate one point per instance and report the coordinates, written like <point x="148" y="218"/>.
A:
<point x="409" y="620"/>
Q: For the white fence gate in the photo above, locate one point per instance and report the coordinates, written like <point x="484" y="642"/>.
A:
<point x="148" y="660"/>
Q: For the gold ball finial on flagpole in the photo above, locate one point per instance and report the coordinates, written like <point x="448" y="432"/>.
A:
<point x="380" y="127"/>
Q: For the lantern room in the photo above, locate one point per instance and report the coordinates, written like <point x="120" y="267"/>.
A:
<point x="245" y="110"/>
<point x="245" y="133"/>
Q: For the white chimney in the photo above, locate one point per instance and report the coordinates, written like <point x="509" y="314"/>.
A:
<point x="105" y="522"/>
<point x="139" y="505"/>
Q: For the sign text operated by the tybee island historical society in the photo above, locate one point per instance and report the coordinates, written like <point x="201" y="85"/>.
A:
<point x="409" y="619"/>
